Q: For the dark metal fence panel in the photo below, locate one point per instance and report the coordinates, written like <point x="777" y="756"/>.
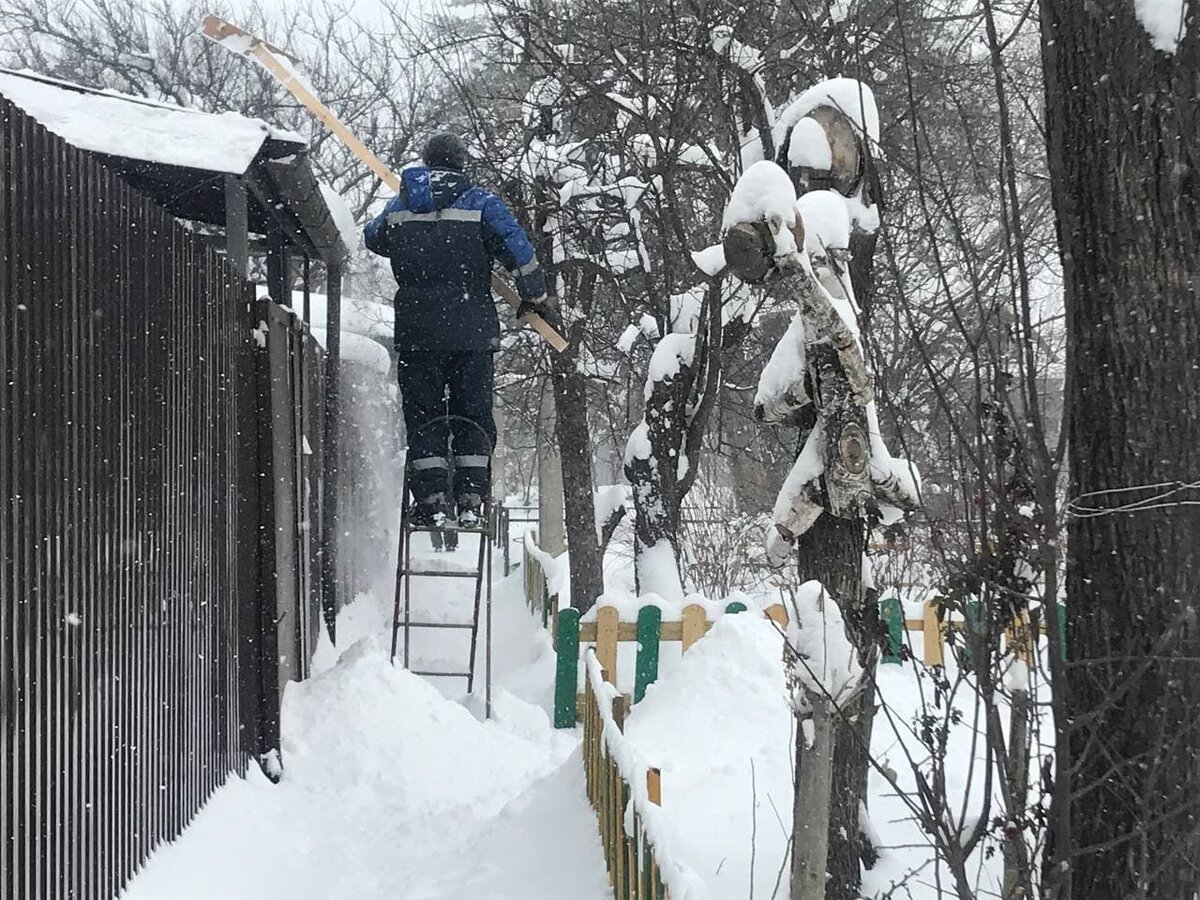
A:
<point x="292" y="366"/>
<point x="128" y="525"/>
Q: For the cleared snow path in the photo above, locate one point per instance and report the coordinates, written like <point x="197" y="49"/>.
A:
<point x="395" y="789"/>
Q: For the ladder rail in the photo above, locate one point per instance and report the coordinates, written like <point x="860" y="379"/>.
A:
<point x="402" y="605"/>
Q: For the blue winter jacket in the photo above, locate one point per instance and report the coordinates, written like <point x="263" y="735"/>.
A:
<point x="441" y="234"/>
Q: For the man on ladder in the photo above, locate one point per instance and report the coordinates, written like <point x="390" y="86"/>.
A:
<point x="441" y="234"/>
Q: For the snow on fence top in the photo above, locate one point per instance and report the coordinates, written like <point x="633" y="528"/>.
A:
<point x="365" y="317"/>
<point x="136" y="128"/>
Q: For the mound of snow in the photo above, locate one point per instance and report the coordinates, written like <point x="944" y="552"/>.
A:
<point x="720" y="711"/>
<point x="393" y="734"/>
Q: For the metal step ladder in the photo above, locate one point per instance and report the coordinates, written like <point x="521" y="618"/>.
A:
<point x="482" y="575"/>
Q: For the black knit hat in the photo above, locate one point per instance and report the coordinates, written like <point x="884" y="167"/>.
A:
<point x="445" y="151"/>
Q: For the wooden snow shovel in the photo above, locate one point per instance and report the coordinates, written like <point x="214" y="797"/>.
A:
<point x="280" y="64"/>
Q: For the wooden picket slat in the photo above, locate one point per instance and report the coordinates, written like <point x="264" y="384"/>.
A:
<point x="607" y="623"/>
<point x="933" y="634"/>
<point x="695" y="624"/>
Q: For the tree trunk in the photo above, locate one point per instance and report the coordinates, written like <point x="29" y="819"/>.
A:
<point x="551" y="524"/>
<point x="815" y="783"/>
<point x="831" y="552"/>
<point x="575" y="453"/>
<point x="573" y="433"/>
<point x="1124" y="151"/>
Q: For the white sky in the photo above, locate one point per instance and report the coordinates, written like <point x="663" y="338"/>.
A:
<point x="366" y="11"/>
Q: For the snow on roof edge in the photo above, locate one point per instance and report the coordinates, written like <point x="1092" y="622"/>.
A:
<point x="123" y="125"/>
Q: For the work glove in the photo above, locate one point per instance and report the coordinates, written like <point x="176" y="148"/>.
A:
<point x="537" y="305"/>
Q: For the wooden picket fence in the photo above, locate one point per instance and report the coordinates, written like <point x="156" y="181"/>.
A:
<point x="607" y="632"/>
<point x="633" y="868"/>
<point x="537" y="594"/>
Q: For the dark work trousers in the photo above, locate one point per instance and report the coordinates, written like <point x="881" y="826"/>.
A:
<point x="447" y="398"/>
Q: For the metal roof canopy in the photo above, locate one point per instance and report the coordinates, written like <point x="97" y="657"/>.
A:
<point x="188" y="162"/>
<point x="283" y="197"/>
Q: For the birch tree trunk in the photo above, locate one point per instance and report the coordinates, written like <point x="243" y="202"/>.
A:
<point x="1124" y="151"/>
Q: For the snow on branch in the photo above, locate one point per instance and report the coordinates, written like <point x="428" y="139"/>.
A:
<point x="611" y="506"/>
<point x="764" y="193"/>
<point x="797" y="506"/>
<point x="826" y="223"/>
<point x="823" y="665"/>
<point x="897" y="481"/>
<point x="781" y="392"/>
<point x="673" y="353"/>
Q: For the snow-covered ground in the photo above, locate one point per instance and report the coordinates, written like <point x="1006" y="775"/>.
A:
<point x="393" y="786"/>
<point x="718" y="725"/>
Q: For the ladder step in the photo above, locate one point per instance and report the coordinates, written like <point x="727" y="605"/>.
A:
<point x="403" y="624"/>
<point x="449" y="529"/>
<point x="443" y="674"/>
<point x="434" y="573"/>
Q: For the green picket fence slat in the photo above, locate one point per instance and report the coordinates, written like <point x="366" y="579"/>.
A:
<point x="892" y="613"/>
<point x="567" y="670"/>
<point x="649" y="629"/>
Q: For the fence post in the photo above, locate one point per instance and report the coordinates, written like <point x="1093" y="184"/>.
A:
<point x="649" y="625"/>
<point x="567" y="673"/>
<point x="892" y="613"/>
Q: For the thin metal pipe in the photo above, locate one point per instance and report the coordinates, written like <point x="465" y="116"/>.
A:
<point x="481" y="574"/>
<point x="488" y="649"/>
<point x="400" y="567"/>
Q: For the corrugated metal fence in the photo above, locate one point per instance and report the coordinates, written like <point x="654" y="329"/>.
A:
<point x="139" y="521"/>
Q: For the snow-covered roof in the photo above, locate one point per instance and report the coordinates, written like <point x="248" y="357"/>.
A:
<point x="122" y="125"/>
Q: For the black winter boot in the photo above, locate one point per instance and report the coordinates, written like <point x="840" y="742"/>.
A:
<point x="430" y="511"/>
<point x="470" y="510"/>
